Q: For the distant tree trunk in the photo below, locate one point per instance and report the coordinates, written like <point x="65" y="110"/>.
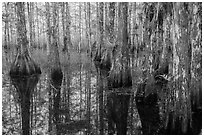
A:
<point x="80" y="63"/>
<point x="67" y="101"/>
<point x="111" y="21"/>
<point x="48" y="19"/>
<point x="87" y="86"/>
<point x="116" y="17"/>
<point x="68" y="17"/>
<point x="135" y="24"/>
<point x="30" y="18"/>
<point x="68" y="46"/>
<point x="101" y="31"/>
<point x="44" y="35"/>
<point x="75" y="21"/>
<point x="6" y="33"/>
<point x="68" y="25"/>
<point x="97" y="105"/>
<point x="97" y="24"/>
<point x="38" y="28"/>
<point x="131" y="114"/>
<point x="31" y="111"/>
<point x="50" y="109"/>
<point x="97" y="77"/>
<point x="63" y="25"/>
<point x="89" y="72"/>
<point x="129" y="27"/>
<point x="66" y="40"/>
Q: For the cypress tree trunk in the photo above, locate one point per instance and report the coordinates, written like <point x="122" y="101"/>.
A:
<point x="56" y="72"/>
<point x="24" y="72"/>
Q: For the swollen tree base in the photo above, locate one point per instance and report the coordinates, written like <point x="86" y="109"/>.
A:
<point x="24" y="76"/>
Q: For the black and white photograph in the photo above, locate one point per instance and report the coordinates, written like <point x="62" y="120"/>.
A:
<point x="101" y="68"/>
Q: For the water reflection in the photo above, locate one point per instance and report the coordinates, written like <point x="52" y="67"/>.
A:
<point x="79" y="108"/>
<point x="73" y="111"/>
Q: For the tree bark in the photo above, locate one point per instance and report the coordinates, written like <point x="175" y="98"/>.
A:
<point x="89" y="72"/>
<point x="101" y="31"/>
<point x="111" y="21"/>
